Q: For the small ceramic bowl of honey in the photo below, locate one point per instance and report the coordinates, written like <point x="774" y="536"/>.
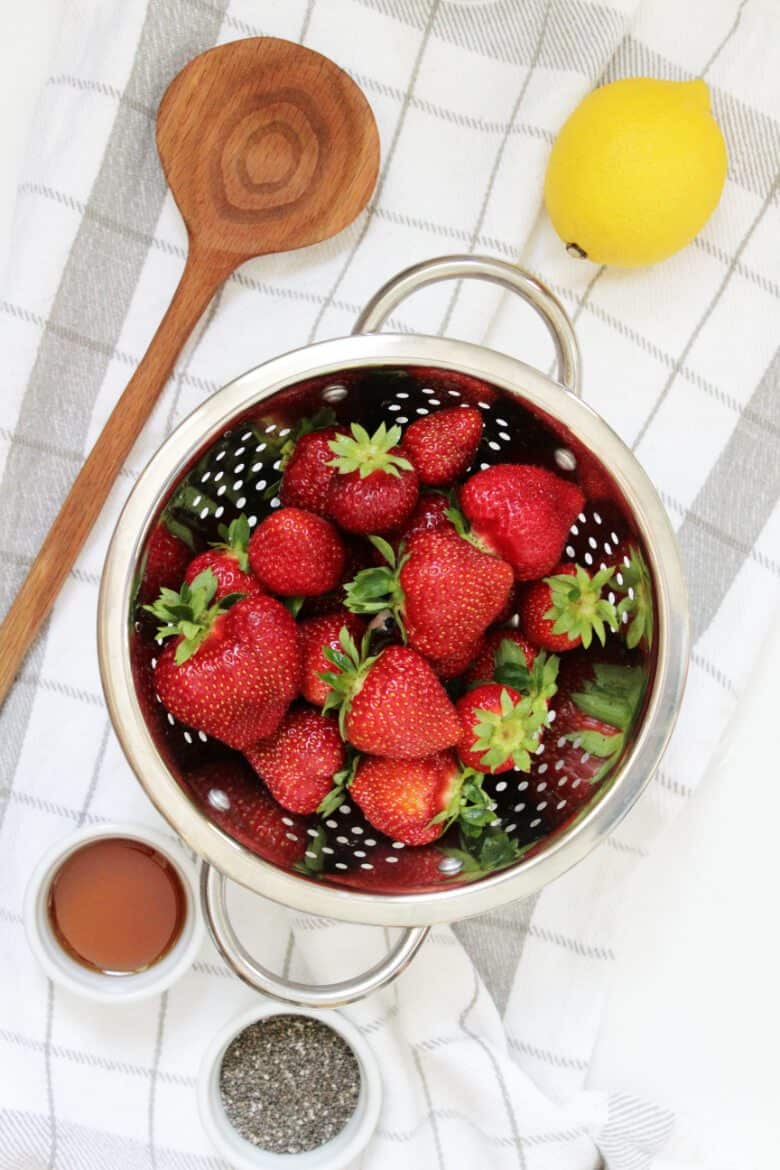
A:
<point x="111" y="912"/>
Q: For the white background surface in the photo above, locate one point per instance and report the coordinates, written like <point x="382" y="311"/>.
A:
<point x="690" y="1024"/>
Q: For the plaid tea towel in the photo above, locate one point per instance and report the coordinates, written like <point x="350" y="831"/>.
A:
<point x="485" y="1043"/>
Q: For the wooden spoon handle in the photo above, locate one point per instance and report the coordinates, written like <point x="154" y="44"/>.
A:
<point x="92" y="485"/>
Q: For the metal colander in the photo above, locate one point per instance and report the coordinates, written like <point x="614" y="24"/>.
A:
<point x="225" y="460"/>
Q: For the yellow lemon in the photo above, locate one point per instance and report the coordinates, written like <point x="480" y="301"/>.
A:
<point x="636" y="171"/>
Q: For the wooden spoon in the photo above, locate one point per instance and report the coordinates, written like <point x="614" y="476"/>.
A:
<point x="267" y="147"/>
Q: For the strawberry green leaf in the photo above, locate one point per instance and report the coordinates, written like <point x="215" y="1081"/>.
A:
<point x="513" y="733"/>
<point x="577" y="608"/>
<point x="176" y="528"/>
<point x="294" y="604"/>
<point x="366" y="453"/>
<point x="386" y="549"/>
<point x="635" y="609"/>
<point x="613" y="695"/>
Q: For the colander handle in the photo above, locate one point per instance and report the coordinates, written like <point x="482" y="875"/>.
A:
<point x="500" y="272"/>
<point x="329" y="995"/>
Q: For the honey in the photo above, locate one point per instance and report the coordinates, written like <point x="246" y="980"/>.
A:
<point x="117" y="905"/>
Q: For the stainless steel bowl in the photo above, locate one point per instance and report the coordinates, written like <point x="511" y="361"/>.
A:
<point x="356" y="375"/>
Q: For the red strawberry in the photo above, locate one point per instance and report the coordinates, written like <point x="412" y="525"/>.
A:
<point x="376" y="487"/>
<point x="228" y="562"/>
<point x="521" y="513"/>
<point x="404" y="798"/>
<point x="297" y="554"/>
<point x="594" y="712"/>
<point x="231" y="796"/>
<point x="232" y="672"/>
<point x="308" y="472"/>
<point x="430" y="515"/>
<point x="455" y="664"/>
<point x="501" y="726"/>
<point x="483" y="666"/>
<point x="442" y="445"/>
<point x="166" y="561"/>
<point x="391" y="704"/>
<point x="443" y="591"/>
<point x="567" y="609"/>
<point x="298" y="762"/>
<point x="317" y="634"/>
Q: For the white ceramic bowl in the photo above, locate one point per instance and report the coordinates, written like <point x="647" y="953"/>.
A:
<point x="93" y="984"/>
<point x="337" y="1154"/>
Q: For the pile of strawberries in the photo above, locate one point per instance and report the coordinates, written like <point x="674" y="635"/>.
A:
<point x="398" y="633"/>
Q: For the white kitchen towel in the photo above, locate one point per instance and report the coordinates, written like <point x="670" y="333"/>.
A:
<point x="485" y="1043"/>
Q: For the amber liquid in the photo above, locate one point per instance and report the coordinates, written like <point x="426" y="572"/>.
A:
<point x="117" y="905"/>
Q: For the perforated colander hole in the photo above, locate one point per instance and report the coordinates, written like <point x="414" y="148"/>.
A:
<point x="260" y="447"/>
<point x="398" y="845"/>
<point x="252" y="520"/>
<point x="566" y="459"/>
<point x="219" y="799"/>
<point x="402" y="419"/>
<point x="219" y="512"/>
<point x="312" y="832"/>
<point x="203" y="737"/>
<point x="270" y="428"/>
<point x="334" y="393"/>
<point x="275" y="502"/>
<point x="239" y="467"/>
<point x="394" y="406"/>
<point x="422" y="410"/>
<point x="501" y="786"/>
<point x="391" y="860"/>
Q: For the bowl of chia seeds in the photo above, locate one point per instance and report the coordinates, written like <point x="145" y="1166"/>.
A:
<point x="299" y="1089"/>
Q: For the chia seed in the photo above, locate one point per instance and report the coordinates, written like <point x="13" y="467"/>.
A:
<point x="289" y="1084"/>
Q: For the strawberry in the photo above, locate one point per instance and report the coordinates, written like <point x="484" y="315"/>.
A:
<point x="567" y="609"/>
<point x="390" y="704"/>
<point x="587" y="736"/>
<point x="455" y="664"/>
<point x="166" y="560"/>
<point x="297" y="554"/>
<point x="483" y="666"/>
<point x="416" y="800"/>
<point x="376" y="487"/>
<point x="231" y="796"/>
<point x="443" y="592"/>
<point x="442" y="445"/>
<point x="308" y="471"/>
<point x="298" y="762"/>
<point x="232" y="667"/>
<point x="317" y="634"/>
<point x="228" y="562"/>
<point x="521" y="513"/>
<point x="429" y="515"/>
<point x="502" y="727"/>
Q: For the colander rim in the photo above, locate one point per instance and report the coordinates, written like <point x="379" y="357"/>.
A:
<point x="202" y="426"/>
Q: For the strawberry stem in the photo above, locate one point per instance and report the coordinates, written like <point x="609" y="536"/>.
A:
<point x="366" y="453"/>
